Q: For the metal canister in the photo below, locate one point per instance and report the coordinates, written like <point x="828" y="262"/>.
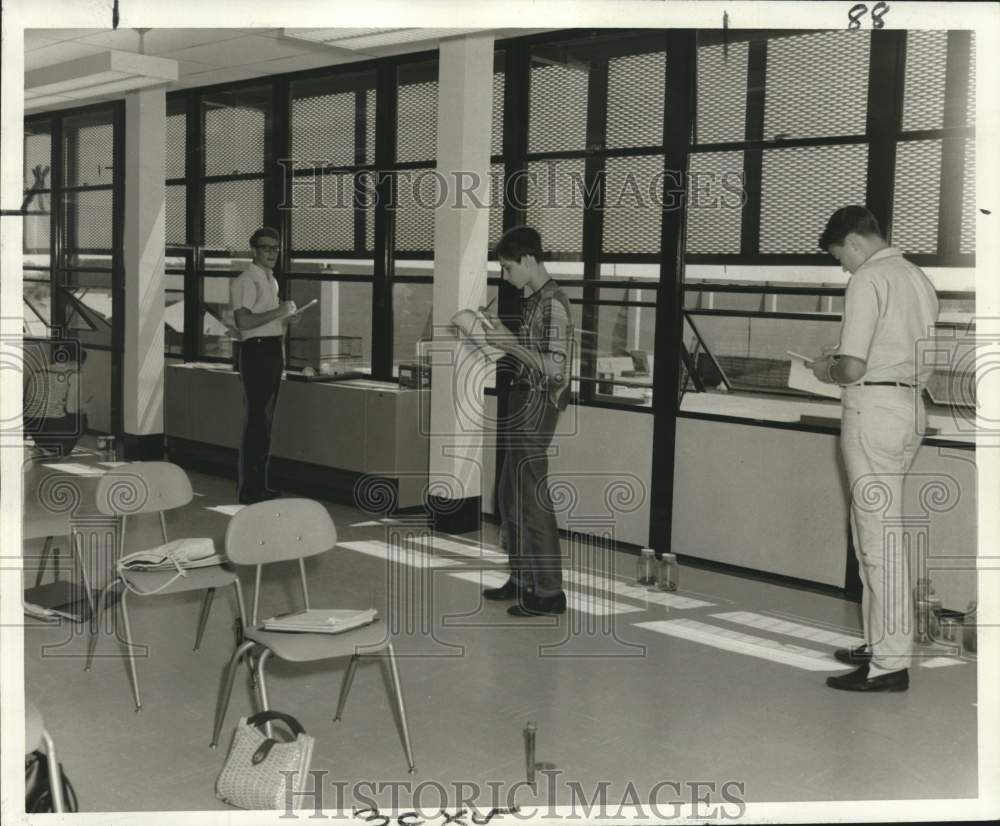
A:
<point x="948" y="626"/>
<point x="667" y="573"/>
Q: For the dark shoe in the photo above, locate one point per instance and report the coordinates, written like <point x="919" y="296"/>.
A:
<point x="509" y="590"/>
<point x="534" y="606"/>
<point x="858" y="680"/>
<point x="248" y="499"/>
<point x="271" y="493"/>
<point x="853" y="656"/>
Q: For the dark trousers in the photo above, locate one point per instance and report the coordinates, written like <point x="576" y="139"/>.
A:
<point x="261" y="363"/>
<point x="526" y="508"/>
<point x="56" y="435"/>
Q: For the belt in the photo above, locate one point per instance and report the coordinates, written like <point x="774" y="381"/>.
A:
<point x="260" y="339"/>
<point x="887" y="384"/>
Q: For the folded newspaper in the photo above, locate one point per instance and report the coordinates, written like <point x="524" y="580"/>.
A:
<point x="321" y="620"/>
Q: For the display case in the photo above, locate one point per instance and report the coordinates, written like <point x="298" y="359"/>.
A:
<point x="325" y="355"/>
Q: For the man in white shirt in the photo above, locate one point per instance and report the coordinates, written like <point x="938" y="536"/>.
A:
<point x="890" y="306"/>
<point x="261" y="320"/>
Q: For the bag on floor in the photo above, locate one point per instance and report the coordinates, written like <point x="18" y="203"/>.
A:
<point x="38" y="788"/>
<point x="255" y="775"/>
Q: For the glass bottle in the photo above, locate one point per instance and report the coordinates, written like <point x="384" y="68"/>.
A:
<point x="922" y="612"/>
<point x="934" y="616"/>
<point x="969" y="629"/>
<point x="646" y="567"/>
<point x="667" y="573"/>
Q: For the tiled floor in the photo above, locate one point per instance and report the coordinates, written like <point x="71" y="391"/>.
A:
<point x="719" y="683"/>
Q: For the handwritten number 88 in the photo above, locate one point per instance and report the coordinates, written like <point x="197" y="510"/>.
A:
<point x="860" y="10"/>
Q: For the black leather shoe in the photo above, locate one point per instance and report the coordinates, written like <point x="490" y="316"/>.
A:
<point x="249" y="499"/>
<point x="534" y="606"/>
<point x="858" y="680"/>
<point x="271" y="493"/>
<point x="853" y="656"/>
<point x="509" y="590"/>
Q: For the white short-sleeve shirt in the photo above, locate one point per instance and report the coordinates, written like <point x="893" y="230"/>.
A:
<point x="890" y="307"/>
<point x="256" y="289"/>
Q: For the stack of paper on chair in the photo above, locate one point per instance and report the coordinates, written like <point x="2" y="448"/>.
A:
<point x="322" y="620"/>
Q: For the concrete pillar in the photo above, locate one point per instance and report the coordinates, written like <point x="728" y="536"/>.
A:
<point x="145" y="238"/>
<point x="461" y="238"/>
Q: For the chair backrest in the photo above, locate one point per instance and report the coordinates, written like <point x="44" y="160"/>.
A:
<point x="143" y="487"/>
<point x="279" y="529"/>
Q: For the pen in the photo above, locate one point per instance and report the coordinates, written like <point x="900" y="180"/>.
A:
<point x="488" y="305"/>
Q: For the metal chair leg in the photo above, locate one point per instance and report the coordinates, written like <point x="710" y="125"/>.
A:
<point x="262" y="688"/>
<point x="77" y="540"/>
<point x="46" y="550"/>
<point x="400" y="707"/>
<point x="55" y="774"/>
<point x="223" y="705"/>
<point x="206" y="607"/>
<point x="129" y="651"/>
<point x="95" y="623"/>
<point x="345" y="687"/>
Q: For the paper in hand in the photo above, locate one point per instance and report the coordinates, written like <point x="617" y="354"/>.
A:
<point x="801" y="377"/>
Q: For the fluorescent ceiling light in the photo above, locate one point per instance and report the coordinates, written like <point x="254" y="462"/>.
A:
<point x="361" y="39"/>
<point x="97" y="74"/>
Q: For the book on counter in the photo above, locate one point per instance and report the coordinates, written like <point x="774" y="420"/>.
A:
<point x="321" y="620"/>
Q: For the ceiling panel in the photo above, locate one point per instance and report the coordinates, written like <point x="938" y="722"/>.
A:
<point x="237" y="52"/>
<point x="212" y="76"/>
<point x="33" y="40"/>
<point x="304" y="61"/>
<point x="160" y="41"/>
<point x="58" y="53"/>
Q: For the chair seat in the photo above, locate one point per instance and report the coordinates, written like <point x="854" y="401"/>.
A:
<point x="309" y="646"/>
<point x="197" y="579"/>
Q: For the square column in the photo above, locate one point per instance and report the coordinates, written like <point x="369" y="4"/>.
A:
<point x="145" y="239"/>
<point x="461" y="239"/>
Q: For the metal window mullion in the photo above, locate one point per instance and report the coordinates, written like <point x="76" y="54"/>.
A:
<point x="57" y="318"/>
<point x="118" y="273"/>
<point x="385" y="224"/>
<point x="593" y="219"/>
<point x="753" y="157"/>
<point x="953" y="148"/>
<point x="885" y="103"/>
<point x="681" y="47"/>
<point x="360" y="158"/>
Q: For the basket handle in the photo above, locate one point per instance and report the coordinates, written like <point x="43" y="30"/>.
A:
<point x="264" y="716"/>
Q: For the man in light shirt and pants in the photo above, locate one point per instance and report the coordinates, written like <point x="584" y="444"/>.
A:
<point x="260" y="319"/>
<point x="890" y="307"/>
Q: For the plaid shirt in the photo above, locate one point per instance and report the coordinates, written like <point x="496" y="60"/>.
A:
<point x="547" y="329"/>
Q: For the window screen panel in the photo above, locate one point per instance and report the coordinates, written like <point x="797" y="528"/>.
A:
<point x="88" y="152"/>
<point x="327" y="222"/>
<point x="37" y="152"/>
<point x="370" y="126"/>
<point x="970" y="108"/>
<point x="417" y="194"/>
<point x="636" y="86"/>
<point x="416" y="122"/>
<point x="233" y="210"/>
<point x="967" y="241"/>
<point x="234" y="140"/>
<point x="633" y="198"/>
<point x="715" y="203"/>
<point x="916" y="193"/>
<point x="322" y="130"/>
<point x="722" y="93"/>
<point x="802" y="187"/>
<point x="496" y="202"/>
<point x="89" y="219"/>
<point x="496" y="128"/>
<point x="924" y="78"/>
<point x="176" y="214"/>
<point x="176" y="143"/>
<point x="37" y="228"/>
<point x="817" y="85"/>
<point x="554" y="199"/>
<point x="558" y="107"/>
